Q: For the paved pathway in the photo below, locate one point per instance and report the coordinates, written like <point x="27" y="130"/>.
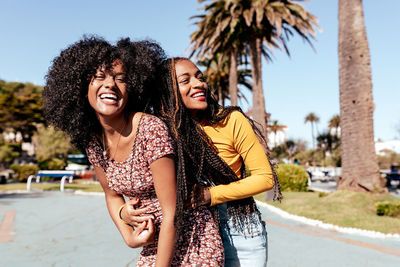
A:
<point x="63" y="229"/>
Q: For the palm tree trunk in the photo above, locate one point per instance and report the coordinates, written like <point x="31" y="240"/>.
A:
<point x="360" y="171"/>
<point x="220" y="97"/>
<point x="258" y="93"/>
<point x="312" y="134"/>
<point x="233" y="78"/>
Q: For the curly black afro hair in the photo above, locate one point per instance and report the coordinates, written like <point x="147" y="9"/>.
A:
<point x="65" y="103"/>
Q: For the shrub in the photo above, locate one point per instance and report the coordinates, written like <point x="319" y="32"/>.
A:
<point x="322" y="194"/>
<point x="52" y="164"/>
<point x="23" y="172"/>
<point x="15" y="167"/>
<point x="386" y="208"/>
<point x="292" y="177"/>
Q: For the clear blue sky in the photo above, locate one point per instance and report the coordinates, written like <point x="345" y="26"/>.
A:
<point x="34" y="32"/>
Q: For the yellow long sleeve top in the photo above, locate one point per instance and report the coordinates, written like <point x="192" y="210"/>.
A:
<point x="234" y="138"/>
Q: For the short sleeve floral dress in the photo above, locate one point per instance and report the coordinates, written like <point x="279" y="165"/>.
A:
<point x="200" y="243"/>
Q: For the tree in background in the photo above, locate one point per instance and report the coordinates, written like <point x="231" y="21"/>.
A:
<point x="256" y="25"/>
<point x="334" y="124"/>
<point x="51" y="147"/>
<point x="329" y="145"/>
<point x="219" y="36"/>
<point x="275" y="127"/>
<point x="217" y="77"/>
<point x="270" y="24"/>
<point x="388" y="160"/>
<point x="312" y="118"/>
<point x="21" y="107"/>
<point x="8" y="153"/>
<point x="288" y="150"/>
<point x="360" y="171"/>
<point x="311" y="157"/>
<point x="327" y="142"/>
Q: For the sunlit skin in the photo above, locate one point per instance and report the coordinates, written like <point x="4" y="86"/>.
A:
<point x="192" y="86"/>
<point x="108" y="96"/>
<point x="193" y="90"/>
<point x="107" y="91"/>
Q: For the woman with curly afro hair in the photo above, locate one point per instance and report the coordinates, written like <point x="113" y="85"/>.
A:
<point x="214" y="145"/>
<point x="98" y="94"/>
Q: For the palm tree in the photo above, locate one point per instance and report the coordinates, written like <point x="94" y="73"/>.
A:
<point x="217" y="77"/>
<point x="275" y="127"/>
<point x="334" y="123"/>
<point x="312" y="118"/>
<point x="327" y="142"/>
<point x="257" y="26"/>
<point x="360" y="171"/>
<point x="218" y="38"/>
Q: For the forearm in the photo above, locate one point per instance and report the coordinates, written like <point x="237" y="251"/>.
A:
<point x="113" y="205"/>
<point x="164" y="177"/>
<point x="114" y="201"/>
<point x="244" y="188"/>
<point x="166" y="242"/>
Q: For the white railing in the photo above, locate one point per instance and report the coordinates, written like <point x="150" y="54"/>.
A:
<point x="51" y="173"/>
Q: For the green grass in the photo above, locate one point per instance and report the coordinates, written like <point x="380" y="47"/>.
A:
<point x="76" y="185"/>
<point x="342" y="208"/>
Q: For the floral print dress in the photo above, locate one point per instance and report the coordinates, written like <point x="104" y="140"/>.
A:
<point x="200" y="243"/>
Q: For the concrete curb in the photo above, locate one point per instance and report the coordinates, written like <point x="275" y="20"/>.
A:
<point x="82" y="193"/>
<point x="327" y="226"/>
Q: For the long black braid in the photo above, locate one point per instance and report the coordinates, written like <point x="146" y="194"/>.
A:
<point x="197" y="161"/>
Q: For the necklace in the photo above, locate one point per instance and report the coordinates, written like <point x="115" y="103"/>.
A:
<point x="105" y="149"/>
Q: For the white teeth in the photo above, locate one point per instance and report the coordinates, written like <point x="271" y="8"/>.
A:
<point x="109" y="96"/>
<point x="199" y="94"/>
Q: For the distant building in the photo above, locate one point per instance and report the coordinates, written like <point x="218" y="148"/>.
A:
<point x="279" y="139"/>
<point x="28" y="149"/>
<point x="387" y="147"/>
<point x="12" y="137"/>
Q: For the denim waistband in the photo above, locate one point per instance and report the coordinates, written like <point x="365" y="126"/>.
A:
<point x="252" y="225"/>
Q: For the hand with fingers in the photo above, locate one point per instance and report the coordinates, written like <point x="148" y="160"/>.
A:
<point x="200" y="196"/>
<point x="143" y="234"/>
<point x="140" y="220"/>
<point x="135" y="217"/>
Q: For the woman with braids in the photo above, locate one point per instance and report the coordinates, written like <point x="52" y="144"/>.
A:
<point x="96" y="93"/>
<point x="214" y="145"/>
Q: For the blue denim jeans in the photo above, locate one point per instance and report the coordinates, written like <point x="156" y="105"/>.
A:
<point x="243" y="247"/>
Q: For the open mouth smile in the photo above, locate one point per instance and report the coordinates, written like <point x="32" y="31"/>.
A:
<point x="109" y="98"/>
<point x="199" y="95"/>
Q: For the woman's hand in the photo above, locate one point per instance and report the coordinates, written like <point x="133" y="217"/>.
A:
<point x="142" y="235"/>
<point x="200" y="196"/>
<point x="135" y="217"/>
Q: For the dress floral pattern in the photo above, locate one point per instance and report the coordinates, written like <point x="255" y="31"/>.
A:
<point x="200" y="243"/>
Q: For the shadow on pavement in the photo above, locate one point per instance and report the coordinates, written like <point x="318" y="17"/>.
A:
<point x="21" y="195"/>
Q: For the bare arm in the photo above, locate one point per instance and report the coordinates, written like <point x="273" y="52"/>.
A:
<point x="163" y="170"/>
<point x="114" y="200"/>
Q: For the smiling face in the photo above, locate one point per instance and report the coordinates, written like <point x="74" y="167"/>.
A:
<point x="107" y="93"/>
<point x="192" y="87"/>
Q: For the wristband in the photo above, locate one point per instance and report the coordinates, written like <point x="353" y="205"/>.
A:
<point x="119" y="214"/>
